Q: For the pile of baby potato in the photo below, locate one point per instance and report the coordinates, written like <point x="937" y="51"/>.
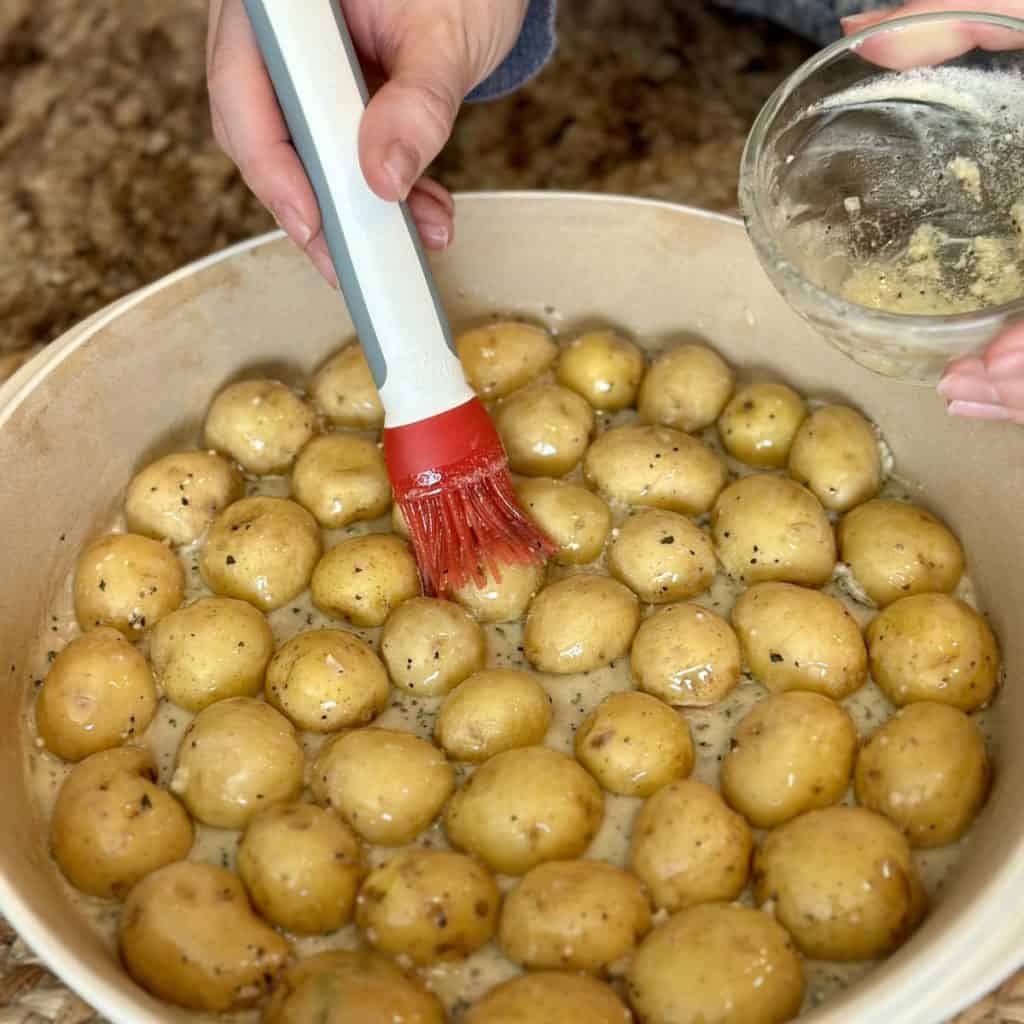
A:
<point x="645" y="512"/>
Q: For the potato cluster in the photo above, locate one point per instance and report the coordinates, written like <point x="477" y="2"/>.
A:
<point x="411" y="776"/>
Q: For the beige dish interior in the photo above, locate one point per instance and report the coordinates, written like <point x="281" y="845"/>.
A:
<point x="77" y="424"/>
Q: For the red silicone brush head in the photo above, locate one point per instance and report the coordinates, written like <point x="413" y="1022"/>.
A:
<point x="451" y="480"/>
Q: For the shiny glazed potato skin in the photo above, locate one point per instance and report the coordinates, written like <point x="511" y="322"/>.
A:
<point x="301" y="866"/>
<point x="189" y="936"/>
<point x="429" y="905"/>
<point x="574" y="915"/>
<point x="341" y="479"/>
<point x="842" y="882"/>
<point x="686" y="387"/>
<point x="794" y="638"/>
<point x="573" y="518"/>
<point x="501" y="357"/>
<point x="177" y="497"/>
<point x="933" y="647"/>
<point x="112" y="824"/>
<point x="98" y="692"/>
<point x="927" y="771"/>
<point x="604" y="368"/>
<point x="128" y="582"/>
<point x="719" y="962"/>
<point x="343" y="390"/>
<point x="760" y="422"/>
<point x="790" y="753"/>
<point x="503" y="600"/>
<point x="545" y="429"/>
<point x="523" y="807"/>
<point x="549" y="997"/>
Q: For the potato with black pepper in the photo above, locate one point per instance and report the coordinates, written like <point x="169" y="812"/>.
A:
<point x="214" y="648"/>
<point x="431" y="906"/>
<point x="933" y="647"/>
<point x="343" y="390"/>
<point x="686" y="655"/>
<point x="545" y="429"/>
<point x="634" y="744"/>
<point x="576" y="520"/>
<point x="501" y="357"/>
<point x="501" y="600"/>
<point x="686" y="388"/>
<point x="580" y="623"/>
<point x="927" y="771"/>
<point x="657" y="467"/>
<point x="261" y="550"/>
<point x="493" y="710"/>
<point x="301" y="866"/>
<point x="771" y="528"/>
<point x="579" y="915"/>
<point x="341" y="479"/>
<point x="604" y="367"/>
<point x="790" y="753"/>
<point x="688" y="847"/>
<point x="261" y="424"/>
<point x="98" y="693"/>
<point x="189" y="936"/>
<point x="523" y="807"/>
<point x="363" y="579"/>
<point x="128" y="582"/>
<point x="794" y="638"/>
<point x="237" y="757"/>
<point x="389" y="786"/>
<point x="760" y="422"/>
<point x="895" y="549"/>
<point x="842" y="882"/>
<point x="719" y="962"/>
<point x="662" y="556"/>
<point x="112" y="824"/>
<point x="430" y="645"/>
<point x="177" y="497"/>
<point x="549" y="997"/>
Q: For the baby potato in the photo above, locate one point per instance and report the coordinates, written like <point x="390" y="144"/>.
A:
<point x="398" y="523"/>
<point x="719" y="962"/>
<point x="237" y="757"/>
<point x="790" y="753"/>
<point x="580" y="915"/>
<point x="771" y="528"/>
<point x="363" y="579"/>
<point x="261" y="550"/>
<point x="430" y="645"/>
<point x="189" y="936"/>
<point x="327" y="679"/>
<point x="760" y="422"/>
<point x="927" y="771"/>
<point x="799" y="639"/>
<point x="933" y="647"/>
<point x="429" y="905"/>
<point x="688" y="847"/>
<point x="686" y="388"/>
<point x="580" y="623"/>
<point x="634" y="744"/>
<point x="389" y="786"/>
<point x="573" y="518"/>
<point x="301" y="866"/>
<point x="112" y="824"/>
<point x="842" y="882"/>
<point x="686" y="656"/>
<point x="261" y="424"/>
<point x="549" y="997"/>
<point x="545" y="429"/>
<point x="662" y="556"/>
<point x="498" y="358"/>
<point x="98" y="692"/>
<point x="835" y="454"/>
<point x="342" y="987"/>
<point x="128" y="582"/>
<point x="495" y="709"/>
<point x="503" y="600"/>
<point x="895" y="549"/>
<point x="177" y="497"/>
<point x="343" y="390"/>
<point x="604" y="368"/>
<point x="214" y="648"/>
<point x="523" y="807"/>
<point x="341" y="479"/>
<point x="655" y="466"/>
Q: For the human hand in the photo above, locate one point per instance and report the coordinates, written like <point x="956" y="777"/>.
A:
<point x="420" y="58"/>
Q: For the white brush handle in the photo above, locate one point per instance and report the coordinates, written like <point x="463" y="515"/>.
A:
<point x="373" y="244"/>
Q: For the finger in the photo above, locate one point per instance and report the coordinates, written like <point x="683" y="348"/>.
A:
<point x="439" y="192"/>
<point x="434" y="220"/>
<point x="979" y="386"/>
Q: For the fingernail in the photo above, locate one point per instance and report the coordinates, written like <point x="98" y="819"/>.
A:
<point x="1006" y="365"/>
<point x="291" y="223"/>
<point x="322" y="262"/>
<point x="960" y="387"/>
<point x="402" y="167"/>
<point x="978" y="411"/>
<point x="437" y="236"/>
<point x="855" y="21"/>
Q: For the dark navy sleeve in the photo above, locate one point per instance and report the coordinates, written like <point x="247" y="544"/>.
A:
<point x="817" y="20"/>
<point x="533" y="49"/>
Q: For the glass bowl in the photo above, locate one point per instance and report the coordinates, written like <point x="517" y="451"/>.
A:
<point x="882" y="186"/>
